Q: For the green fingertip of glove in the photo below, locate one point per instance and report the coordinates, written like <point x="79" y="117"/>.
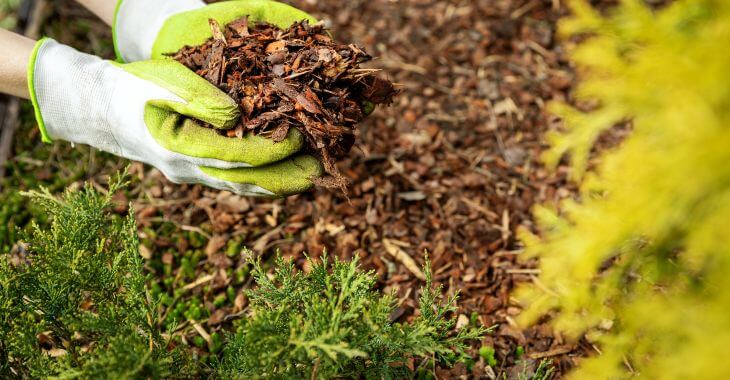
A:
<point x="192" y="28"/>
<point x="204" y="101"/>
<point x="31" y="90"/>
<point x="185" y="136"/>
<point x="288" y="177"/>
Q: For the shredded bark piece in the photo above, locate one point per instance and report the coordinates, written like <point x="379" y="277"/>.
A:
<point x="240" y="26"/>
<point x="296" y="77"/>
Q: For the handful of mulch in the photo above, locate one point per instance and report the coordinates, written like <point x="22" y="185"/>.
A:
<point x="298" y="77"/>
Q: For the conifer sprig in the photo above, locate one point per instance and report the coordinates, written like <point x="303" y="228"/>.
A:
<point x="331" y="322"/>
<point x="76" y="304"/>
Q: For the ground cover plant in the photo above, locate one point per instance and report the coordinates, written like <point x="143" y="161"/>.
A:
<point x="640" y="262"/>
<point x="75" y="301"/>
<point x="295" y="77"/>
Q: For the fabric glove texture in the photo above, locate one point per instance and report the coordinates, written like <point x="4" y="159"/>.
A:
<point x="144" y="111"/>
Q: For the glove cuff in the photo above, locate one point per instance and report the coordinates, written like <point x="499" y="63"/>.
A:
<point x="137" y="23"/>
<point x="71" y="94"/>
<point x="32" y="91"/>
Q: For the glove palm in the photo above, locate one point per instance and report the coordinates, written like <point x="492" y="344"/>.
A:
<point x="145" y="111"/>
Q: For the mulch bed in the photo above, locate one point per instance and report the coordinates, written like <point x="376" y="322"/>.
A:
<point x="450" y="169"/>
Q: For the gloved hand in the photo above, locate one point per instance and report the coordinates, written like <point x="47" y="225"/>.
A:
<point x="145" y="29"/>
<point x="136" y="111"/>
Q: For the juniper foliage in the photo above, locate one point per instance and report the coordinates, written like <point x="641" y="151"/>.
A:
<point x="544" y="371"/>
<point x="640" y="262"/>
<point x="74" y="301"/>
<point x="331" y="322"/>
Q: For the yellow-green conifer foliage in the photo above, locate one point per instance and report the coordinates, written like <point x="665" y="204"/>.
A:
<point x="647" y="247"/>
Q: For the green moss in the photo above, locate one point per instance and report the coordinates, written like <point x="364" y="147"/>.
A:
<point x="487" y="353"/>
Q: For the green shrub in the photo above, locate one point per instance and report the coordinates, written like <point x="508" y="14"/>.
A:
<point x="331" y="323"/>
<point x="640" y="262"/>
<point x="75" y="303"/>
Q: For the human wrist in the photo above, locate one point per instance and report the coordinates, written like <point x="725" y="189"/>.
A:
<point x="104" y="9"/>
<point x="137" y="23"/>
<point x="13" y="66"/>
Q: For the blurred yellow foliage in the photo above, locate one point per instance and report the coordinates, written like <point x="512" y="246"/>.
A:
<point x="647" y="246"/>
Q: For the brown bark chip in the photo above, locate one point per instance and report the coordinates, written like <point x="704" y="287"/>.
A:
<point x="296" y="77"/>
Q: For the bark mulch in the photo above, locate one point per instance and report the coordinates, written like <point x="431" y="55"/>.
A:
<point x="292" y="78"/>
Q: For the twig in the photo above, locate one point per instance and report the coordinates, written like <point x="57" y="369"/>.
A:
<point x="9" y="126"/>
<point x="521" y="11"/>
<point x="392" y="248"/>
<point x="202" y="332"/>
<point x="198" y="282"/>
<point x="522" y="271"/>
<point x="550" y="353"/>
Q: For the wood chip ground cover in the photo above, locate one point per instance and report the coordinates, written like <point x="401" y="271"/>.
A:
<point x="451" y="168"/>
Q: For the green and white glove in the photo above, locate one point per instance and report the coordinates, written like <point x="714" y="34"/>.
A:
<point x="145" y="29"/>
<point x="138" y="111"/>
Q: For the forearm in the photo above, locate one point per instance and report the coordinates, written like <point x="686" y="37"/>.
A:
<point x="14" y="64"/>
<point x="104" y="9"/>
